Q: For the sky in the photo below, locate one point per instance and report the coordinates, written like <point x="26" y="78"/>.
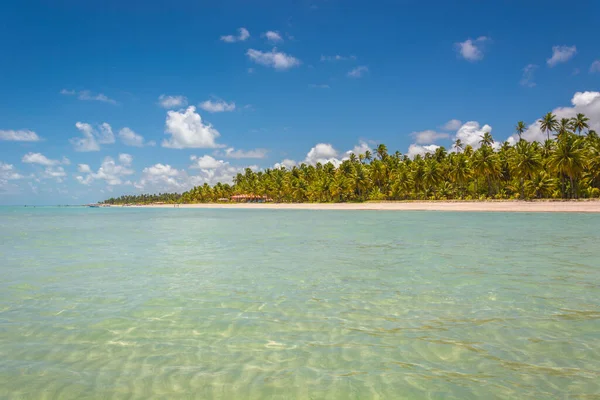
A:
<point x="100" y="99"/>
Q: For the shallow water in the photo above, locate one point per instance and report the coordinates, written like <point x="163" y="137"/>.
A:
<point x="268" y="304"/>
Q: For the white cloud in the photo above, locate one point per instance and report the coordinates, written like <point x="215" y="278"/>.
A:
<point x="188" y="131"/>
<point x="163" y="177"/>
<point x="88" y="141"/>
<point x="217" y="106"/>
<point x="415" y="149"/>
<point x="54" y="173"/>
<point x="358" y="71"/>
<point x="273" y="36"/>
<point x="471" y="133"/>
<point x="130" y="138"/>
<point x="110" y="171"/>
<point x="287" y="163"/>
<point x="528" y="75"/>
<point x="595" y="67"/>
<point x="172" y="101"/>
<point x="317" y="86"/>
<point x="39" y="158"/>
<point x="452" y="125"/>
<point x="428" y="136"/>
<point x="472" y="50"/>
<point x="8" y="172"/>
<point x="89" y="96"/>
<point x="322" y="153"/>
<point x="337" y="57"/>
<point x="125" y="159"/>
<point x="561" y="54"/>
<point x="233" y="153"/>
<point x="84" y="168"/>
<point x="243" y="35"/>
<point x="19" y="136"/>
<point x="278" y="60"/>
<point x="361" y="148"/>
<point x="92" y="138"/>
<point x="205" y="162"/>
<point x="105" y="134"/>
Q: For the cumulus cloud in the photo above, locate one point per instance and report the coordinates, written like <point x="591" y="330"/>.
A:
<point x="205" y="162"/>
<point x="110" y="171"/>
<point x="595" y="67"/>
<point x="274" y="59"/>
<point x="428" y="136"/>
<point x="273" y="36"/>
<point x="188" y="131"/>
<point x="8" y="172"/>
<point x="471" y="133"/>
<point x="57" y="173"/>
<point x="361" y="148"/>
<point x="528" y="75"/>
<point x="415" y="149"/>
<point x="88" y="95"/>
<point x="39" y="158"/>
<point x="561" y="54"/>
<point x="233" y="153"/>
<point x="337" y="57"/>
<point x="19" y="136"/>
<point x="242" y="35"/>
<point x="92" y="137"/>
<point x="217" y="106"/>
<point x="472" y="50"/>
<point x="452" y="125"/>
<point x="358" y="72"/>
<point x="286" y="163"/>
<point x="130" y="138"/>
<point x="172" y="101"/>
<point x="322" y="153"/>
<point x="84" y="168"/>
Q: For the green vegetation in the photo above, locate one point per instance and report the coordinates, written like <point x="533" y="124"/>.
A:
<point x="566" y="165"/>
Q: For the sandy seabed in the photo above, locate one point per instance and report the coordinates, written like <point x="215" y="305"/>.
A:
<point x="482" y="206"/>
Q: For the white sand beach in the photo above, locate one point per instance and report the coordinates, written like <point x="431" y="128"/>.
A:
<point x="469" y="206"/>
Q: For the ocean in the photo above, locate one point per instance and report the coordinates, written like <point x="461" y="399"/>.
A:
<point x="128" y="303"/>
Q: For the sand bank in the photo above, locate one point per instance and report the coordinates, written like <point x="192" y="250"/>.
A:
<point x="481" y="206"/>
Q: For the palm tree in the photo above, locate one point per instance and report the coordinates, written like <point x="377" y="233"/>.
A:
<point x="381" y="151"/>
<point x="525" y="162"/>
<point x="487" y="139"/>
<point x="458" y="144"/>
<point x="564" y="126"/>
<point x="520" y="128"/>
<point x="548" y="124"/>
<point x="568" y="159"/>
<point x="579" y="123"/>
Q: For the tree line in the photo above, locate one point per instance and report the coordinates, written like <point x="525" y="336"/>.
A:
<point x="565" y="166"/>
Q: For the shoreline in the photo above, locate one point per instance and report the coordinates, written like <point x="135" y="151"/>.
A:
<point x="587" y="206"/>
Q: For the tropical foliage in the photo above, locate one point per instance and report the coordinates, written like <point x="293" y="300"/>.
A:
<point x="566" y="165"/>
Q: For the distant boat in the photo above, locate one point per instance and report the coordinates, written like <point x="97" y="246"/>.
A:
<point x="94" y="205"/>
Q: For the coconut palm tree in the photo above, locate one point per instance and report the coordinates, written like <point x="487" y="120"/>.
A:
<point x="520" y="128"/>
<point x="487" y="139"/>
<point x="579" y="123"/>
<point x="524" y="163"/>
<point x="458" y="145"/>
<point x="568" y="160"/>
<point x="548" y="124"/>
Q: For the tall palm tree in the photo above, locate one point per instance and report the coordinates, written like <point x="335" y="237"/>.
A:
<point x="564" y="126"/>
<point x="458" y="144"/>
<point x="580" y="122"/>
<point x="381" y="151"/>
<point x="568" y="159"/>
<point x="487" y="139"/>
<point x="524" y="163"/>
<point x="548" y="124"/>
<point x="520" y="128"/>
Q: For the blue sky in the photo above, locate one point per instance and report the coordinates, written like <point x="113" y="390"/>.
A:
<point x="95" y="96"/>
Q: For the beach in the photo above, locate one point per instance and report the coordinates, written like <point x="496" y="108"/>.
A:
<point x="457" y="206"/>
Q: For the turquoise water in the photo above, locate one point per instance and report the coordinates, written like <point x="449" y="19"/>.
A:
<point x="273" y="304"/>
